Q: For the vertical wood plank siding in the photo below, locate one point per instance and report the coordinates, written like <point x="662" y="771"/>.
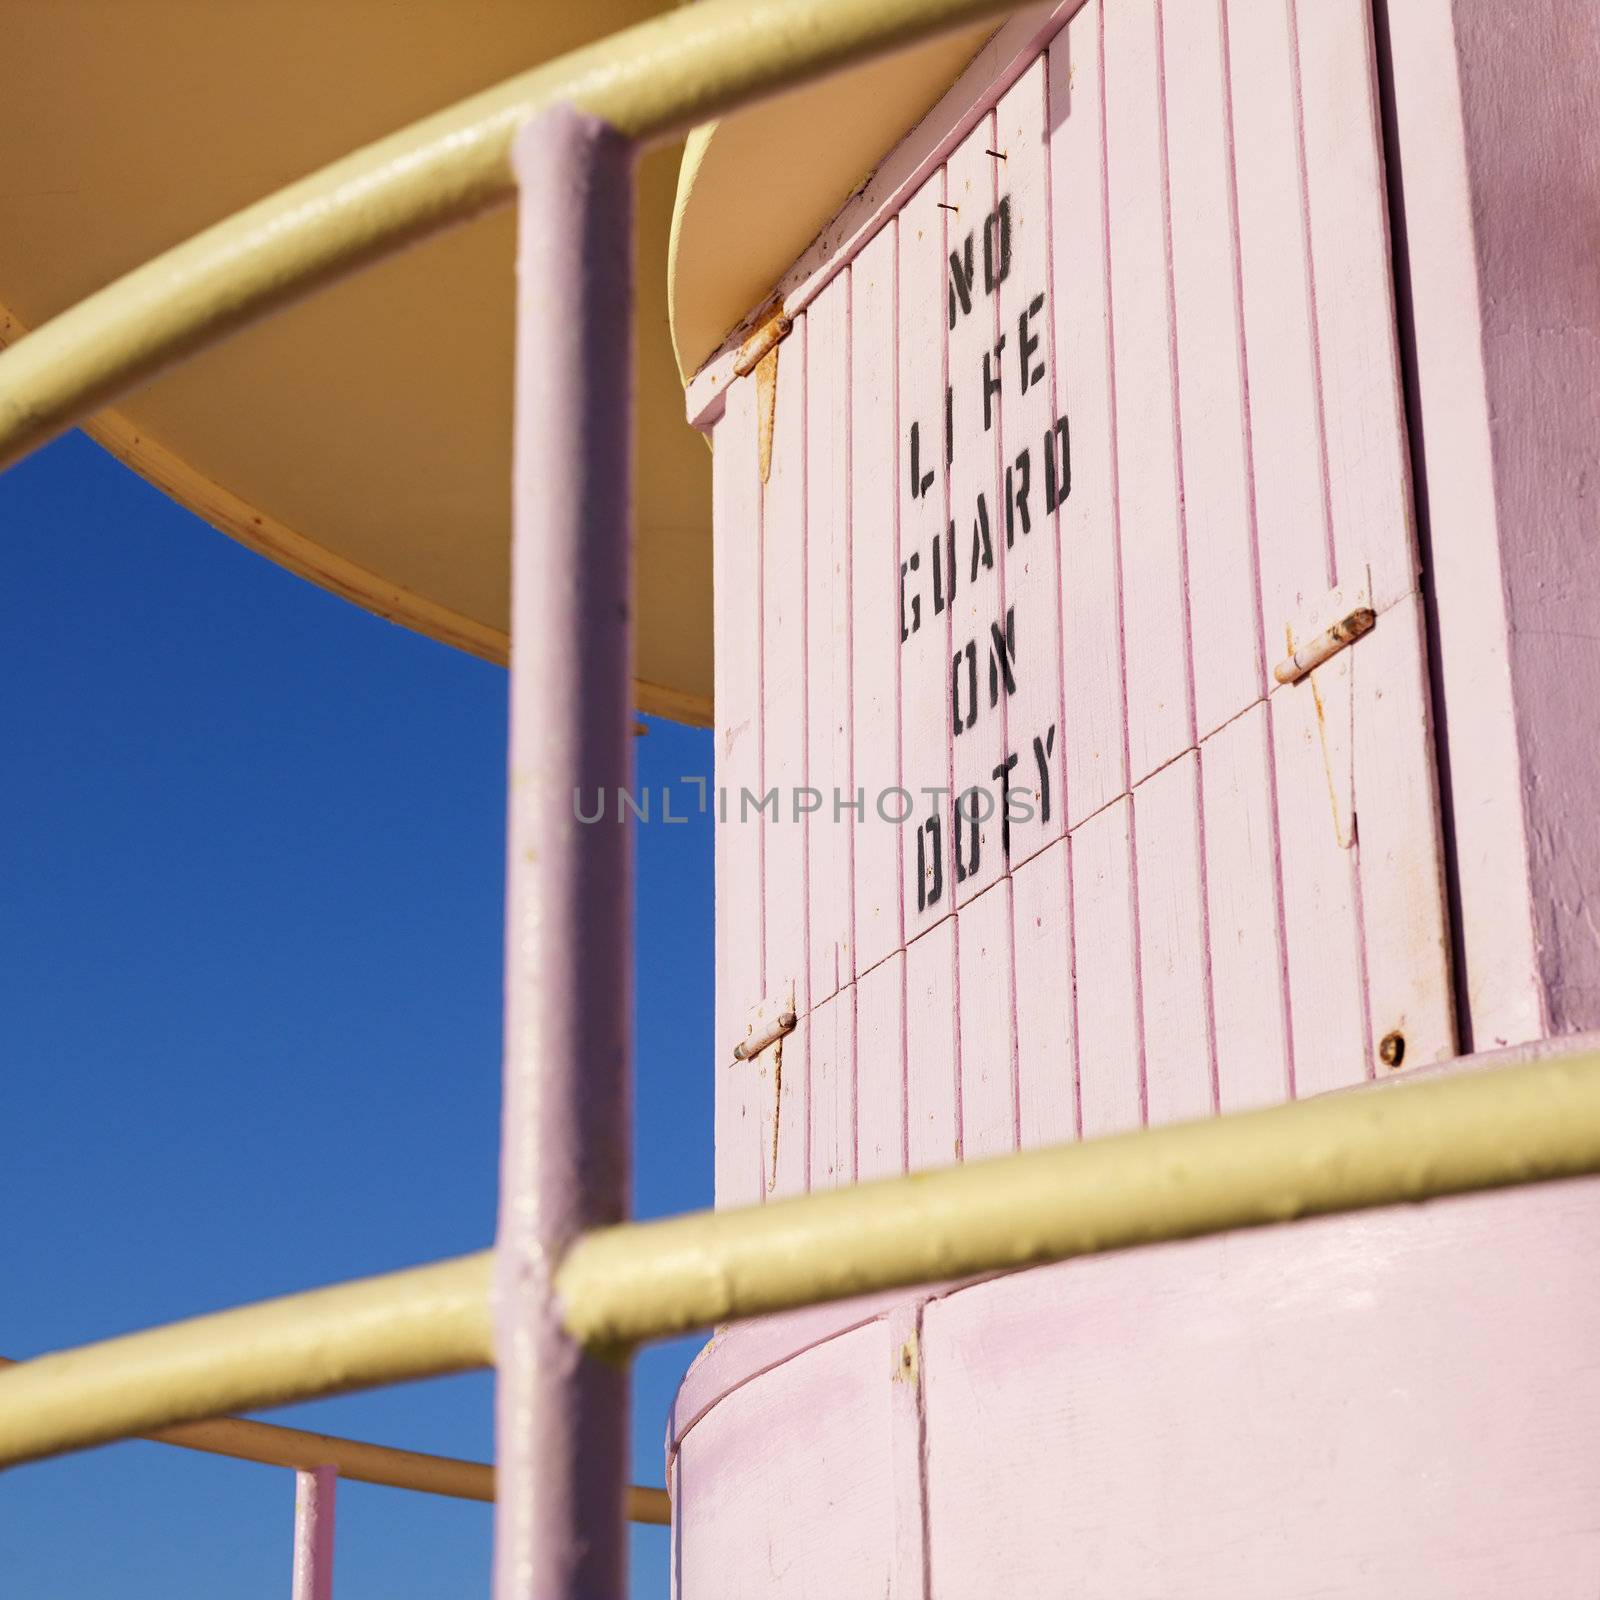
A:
<point x="740" y="976"/>
<point x="1090" y="435"/>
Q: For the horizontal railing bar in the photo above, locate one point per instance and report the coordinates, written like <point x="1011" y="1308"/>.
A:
<point x="420" y="1323"/>
<point x="652" y="81"/>
<point x="358" y="1461"/>
<point x="638" y="1282"/>
<point x="1484" y="1129"/>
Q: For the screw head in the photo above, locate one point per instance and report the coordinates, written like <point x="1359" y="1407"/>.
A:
<point x="1392" y="1048"/>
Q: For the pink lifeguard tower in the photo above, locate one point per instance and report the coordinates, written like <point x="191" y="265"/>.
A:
<point x="1155" y="518"/>
<point x="1145" y="589"/>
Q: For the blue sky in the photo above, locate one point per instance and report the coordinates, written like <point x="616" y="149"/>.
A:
<point x="250" y="905"/>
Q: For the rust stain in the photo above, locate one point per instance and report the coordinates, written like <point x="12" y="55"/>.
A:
<point x="907" y="1363"/>
<point x="759" y="354"/>
<point x="766" y="408"/>
<point x="777" y="1110"/>
<point x="1322" y="738"/>
<point x="1339" y="833"/>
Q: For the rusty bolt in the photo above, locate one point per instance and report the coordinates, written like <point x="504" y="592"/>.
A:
<point x="1392" y="1048"/>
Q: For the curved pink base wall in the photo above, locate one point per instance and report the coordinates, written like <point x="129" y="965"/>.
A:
<point x="1405" y="1402"/>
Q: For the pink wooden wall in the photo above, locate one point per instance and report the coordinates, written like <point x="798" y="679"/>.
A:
<point x="1398" y="1403"/>
<point x="1493" y="159"/>
<point x="1235" y="896"/>
<point x="1096" y="418"/>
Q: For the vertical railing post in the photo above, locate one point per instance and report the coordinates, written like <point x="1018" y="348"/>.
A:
<point x="313" y="1533"/>
<point x="561" y="1415"/>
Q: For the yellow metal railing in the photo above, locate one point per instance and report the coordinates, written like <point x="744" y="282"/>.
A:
<point x="414" y="1324"/>
<point x="358" y="1461"/>
<point x="650" y="1280"/>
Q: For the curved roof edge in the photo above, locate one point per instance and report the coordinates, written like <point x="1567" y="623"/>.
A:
<point x="757" y="187"/>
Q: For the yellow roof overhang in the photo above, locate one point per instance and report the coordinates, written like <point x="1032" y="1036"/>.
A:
<point x="361" y="437"/>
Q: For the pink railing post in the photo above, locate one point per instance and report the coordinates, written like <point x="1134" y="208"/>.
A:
<point x="313" y="1533"/>
<point x="561" y="1415"/>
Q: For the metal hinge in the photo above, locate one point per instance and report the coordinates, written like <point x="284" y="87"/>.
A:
<point x="1329" y="642"/>
<point x="757" y="1042"/>
<point x="772" y="332"/>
